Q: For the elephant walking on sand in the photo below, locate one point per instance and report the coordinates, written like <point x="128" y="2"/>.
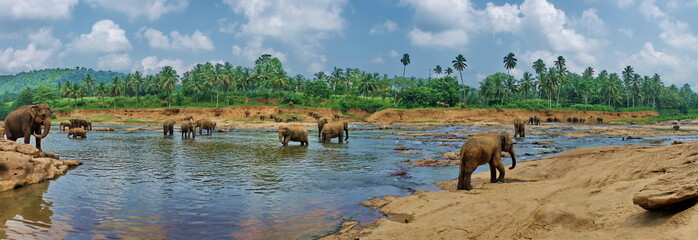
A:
<point x="77" y="132"/>
<point x="335" y="130"/>
<point x="481" y="149"/>
<point x="519" y="127"/>
<point x="188" y="129"/>
<point x="295" y="133"/>
<point x="168" y="127"/>
<point x="26" y="121"/>
<point x="321" y="123"/>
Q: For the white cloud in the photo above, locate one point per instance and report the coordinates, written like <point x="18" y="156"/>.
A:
<point x="151" y="9"/>
<point x="152" y="65"/>
<point x="176" y="41"/>
<point x="106" y="37"/>
<point x="378" y="60"/>
<point x="627" y="32"/>
<point x="302" y="25"/>
<point x="625" y="3"/>
<point x="445" y="39"/>
<point x="41" y="49"/>
<point x="392" y="53"/>
<point x="505" y="18"/>
<point x="37" y="9"/>
<point x="673" y="69"/>
<point x="590" y="22"/>
<point x="115" y="62"/>
<point x="648" y="9"/>
<point x="387" y="26"/>
<point x="225" y="27"/>
<point x="675" y="33"/>
<point x="254" y="49"/>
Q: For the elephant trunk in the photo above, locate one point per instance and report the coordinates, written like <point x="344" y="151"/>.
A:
<point x="281" y="137"/>
<point x="513" y="158"/>
<point x="47" y="126"/>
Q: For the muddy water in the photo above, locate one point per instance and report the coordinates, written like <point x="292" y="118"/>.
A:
<point x="241" y="184"/>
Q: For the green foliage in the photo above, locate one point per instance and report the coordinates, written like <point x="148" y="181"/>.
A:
<point x="51" y="78"/>
<point x="370" y="105"/>
<point x="317" y="90"/>
<point x="418" y="97"/>
<point x="26" y="97"/>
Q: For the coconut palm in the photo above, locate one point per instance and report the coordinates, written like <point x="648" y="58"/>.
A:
<point x="168" y="78"/>
<point x="509" y="62"/>
<point x="460" y="65"/>
<point x="449" y="71"/>
<point x="526" y="84"/>
<point x="405" y="61"/>
<point x="539" y="67"/>
<point x="438" y="70"/>
<point x="628" y="78"/>
<point x="89" y="82"/>
<point x="115" y="89"/>
<point x="135" y="80"/>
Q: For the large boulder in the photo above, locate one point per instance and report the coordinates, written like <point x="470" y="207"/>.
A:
<point x="22" y="164"/>
<point x="673" y="188"/>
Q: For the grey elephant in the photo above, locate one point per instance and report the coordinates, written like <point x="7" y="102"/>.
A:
<point x="481" y="149"/>
<point x="188" y="129"/>
<point x="519" y="127"/>
<point x="205" y="124"/>
<point x="26" y="121"/>
<point x="321" y="123"/>
<point x="64" y="125"/>
<point x="335" y="130"/>
<point x="168" y="127"/>
<point x="77" y="132"/>
<point x="295" y="133"/>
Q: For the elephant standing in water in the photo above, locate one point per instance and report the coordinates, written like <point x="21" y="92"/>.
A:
<point x="168" y="127"/>
<point x="296" y="133"/>
<point x="64" y="125"/>
<point x="205" y="124"/>
<point x="27" y="120"/>
<point x="77" y="132"/>
<point x="188" y="129"/>
<point x="519" y="127"/>
<point x="335" y="130"/>
<point x="321" y="123"/>
<point x="481" y="149"/>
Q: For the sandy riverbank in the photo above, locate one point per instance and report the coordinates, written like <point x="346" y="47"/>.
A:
<point x="580" y="194"/>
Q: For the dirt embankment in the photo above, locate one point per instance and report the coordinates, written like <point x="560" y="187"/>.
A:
<point x="580" y="194"/>
<point x="495" y="115"/>
<point x="237" y="114"/>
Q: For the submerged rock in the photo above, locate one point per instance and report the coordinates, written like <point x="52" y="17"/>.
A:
<point x="673" y="188"/>
<point x="428" y="162"/>
<point x="104" y="129"/>
<point x="655" y="141"/>
<point x="22" y="164"/>
<point x="676" y="142"/>
<point x="451" y="156"/>
<point x="401" y="148"/>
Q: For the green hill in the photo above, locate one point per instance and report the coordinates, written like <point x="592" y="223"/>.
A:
<point x="51" y="77"/>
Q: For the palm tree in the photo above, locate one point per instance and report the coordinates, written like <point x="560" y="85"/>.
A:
<point x="526" y="84"/>
<point x="449" y="71"/>
<point x="438" y="70"/>
<point x="539" y="66"/>
<point x="589" y="71"/>
<point x="405" y="61"/>
<point x="115" y="89"/>
<point x="168" y="78"/>
<point x="136" y="80"/>
<point x="89" y="82"/>
<point x="101" y="90"/>
<point x="628" y="78"/>
<point x="460" y="65"/>
<point x="509" y="62"/>
<point x="562" y="73"/>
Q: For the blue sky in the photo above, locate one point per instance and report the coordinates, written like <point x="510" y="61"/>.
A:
<point x="315" y="35"/>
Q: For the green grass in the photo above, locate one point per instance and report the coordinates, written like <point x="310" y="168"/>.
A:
<point x="354" y="116"/>
<point x="427" y="121"/>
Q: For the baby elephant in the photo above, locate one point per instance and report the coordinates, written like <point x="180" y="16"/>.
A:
<point x="77" y="132"/>
<point x="481" y="149"/>
<point x="168" y="127"/>
<point x="296" y="133"/>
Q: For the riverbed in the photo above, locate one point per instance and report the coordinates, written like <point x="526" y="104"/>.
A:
<point x="243" y="183"/>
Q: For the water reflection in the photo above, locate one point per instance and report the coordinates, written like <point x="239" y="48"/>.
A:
<point x="26" y="214"/>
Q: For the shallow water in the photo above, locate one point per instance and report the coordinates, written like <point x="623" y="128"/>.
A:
<point x="240" y="184"/>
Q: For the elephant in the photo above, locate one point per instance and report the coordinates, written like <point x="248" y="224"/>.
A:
<point x="64" y="125"/>
<point x="247" y="113"/>
<point x="676" y="127"/>
<point x="599" y="120"/>
<point x="336" y="117"/>
<point x="290" y="104"/>
<point x="296" y="133"/>
<point x="335" y="130"/>
<point x="481" y="149"/>
<point x="168" y="127"/>
<point x="188" y="128"/>
<point x="89" y="125"/>
<point x="27" y="120"/>
<point x="80" y="123"/>
<point x="535" y="120"/>
<point x="320" y="123"/>
<point x="77" y="132"/>
<point x="188" y="118"/>
<point x="205" y="124"/>
<point x="519" y="127"/>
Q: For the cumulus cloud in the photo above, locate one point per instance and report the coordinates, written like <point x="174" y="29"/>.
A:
<point x="302" y="25"/>
<point x="23" y="17"/>
<point x="225" y="27"/>
<point x="674" y="69"/>
<point x="444" y="39"/>
<point x="675" y="33"/>
<point x="42" y="48"/>
<point x="590" y="22"/>
<point x="150" y="9"/>
<point x="176" y="41"/>
<point x="625" y="3"/>
<point x="627" y="32"/>
<point x="115" y="62"/>
<point x="153" y="65"/>
<point x="387" y="26"/>
<point x="106" y="37"/>
<point x="254" y="49"/>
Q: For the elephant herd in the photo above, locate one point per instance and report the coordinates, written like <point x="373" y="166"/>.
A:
<point x="189" y="127"/>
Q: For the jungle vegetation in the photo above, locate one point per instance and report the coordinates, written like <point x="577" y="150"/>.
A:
<point x="546" y="86"/>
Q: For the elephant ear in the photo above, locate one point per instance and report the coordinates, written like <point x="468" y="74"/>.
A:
<point x="33" y="111"/>
<point x="506" y="140"/>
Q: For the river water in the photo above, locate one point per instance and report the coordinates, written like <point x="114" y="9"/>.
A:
<point x="241" y="184"/>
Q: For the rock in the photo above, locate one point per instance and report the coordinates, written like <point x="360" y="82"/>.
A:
<point x="134" y="129"/>
<point x="374" y="203"/>
<point x="22" y="164"/>
<point x="103" y="129"/>
<point x="408" y="152"/>
<point x="543" y="143"/>
<point x="401" y="173"/>
<point x="631" y="137"/>
<point x="401" y="148"/>
<point x="451" y="156"/>
<point x="676" y="142"/>
<point x="428" y="162"/>
<point x="669" y="189"/>
<point x="347" y="226"/>
<point x="655" y="141"/>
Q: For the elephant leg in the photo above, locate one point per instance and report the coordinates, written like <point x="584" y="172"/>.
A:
<point x="523" y="132"/>
<point x="463" y="178"/>
<point x="493" y="173"/>
<point x="500" y="167"/>
<point x="38" y="144"/>
<point x="27" y="137"/>
<point x="341" y="136"/>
